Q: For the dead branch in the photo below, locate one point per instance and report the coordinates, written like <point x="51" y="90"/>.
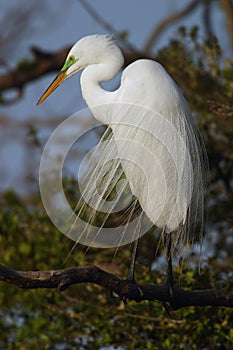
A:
<point x="106" y="25"/>
<point x="43" y="63"/>
<point x="62" y="279"/>
<point x="220" y="109"/>
<point x="99" y="19"/>
<point x="165" y="23"/>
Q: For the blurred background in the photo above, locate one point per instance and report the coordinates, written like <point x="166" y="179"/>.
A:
<point x="29" y="25"/>
<point x="194" y="42"/>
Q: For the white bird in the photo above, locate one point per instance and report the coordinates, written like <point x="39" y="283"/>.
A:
<point x="156" y="138"/>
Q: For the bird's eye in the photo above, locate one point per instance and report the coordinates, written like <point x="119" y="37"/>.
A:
<point x="72" y="58"/>
<point x="69" y="62"/>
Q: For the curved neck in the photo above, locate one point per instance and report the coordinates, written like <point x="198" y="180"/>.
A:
<point x="91" y="79"/>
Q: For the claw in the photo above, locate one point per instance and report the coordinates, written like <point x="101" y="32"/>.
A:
<point x="140" y="291"/>
<point x="127" y="306"/>
<point x="166" y="308"/>
<point x="114" y="294"/>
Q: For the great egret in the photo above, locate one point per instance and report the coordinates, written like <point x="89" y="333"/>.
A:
<point x="150" y="116"/>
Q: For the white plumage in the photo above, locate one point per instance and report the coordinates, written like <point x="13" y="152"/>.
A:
<point x="153" y="134"/>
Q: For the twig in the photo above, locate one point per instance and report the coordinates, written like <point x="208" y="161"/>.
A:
<point x="220" y="109"/>
<point x="207" y="19"/>
<point x="94" y="14"/>
<point x="106" y="25"/>
<point x="164" y="24"/>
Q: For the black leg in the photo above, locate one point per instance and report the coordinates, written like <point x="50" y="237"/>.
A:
<point x="130" y="276"/>
<point x="169" y="281"/>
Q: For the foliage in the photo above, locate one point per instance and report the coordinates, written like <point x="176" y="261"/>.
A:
<point x="85" y="316"/>
<point x="206" y="77"/>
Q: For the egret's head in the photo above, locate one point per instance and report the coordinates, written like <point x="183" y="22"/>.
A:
<point x="71" y="66"/>
<point x="89" y="50"/>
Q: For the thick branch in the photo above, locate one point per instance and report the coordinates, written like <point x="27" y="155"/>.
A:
<point x="62" y="279"/>
<point x="42" y="64"/>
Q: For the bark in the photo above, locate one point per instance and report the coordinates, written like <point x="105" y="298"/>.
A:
<point x="125" y="289"/>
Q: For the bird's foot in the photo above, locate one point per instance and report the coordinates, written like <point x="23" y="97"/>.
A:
<point x="135" y="285"/>
<point x="126" y="305"/>
<point x="131" y="288"/>
<point x="170" y="288"/>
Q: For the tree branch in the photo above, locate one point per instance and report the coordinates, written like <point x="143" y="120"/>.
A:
<point x="106" y="25"/>
<point x="207" y="19"/>
<point x="43" y="63"/>
<point x="220" y="109"/>
<point x="164" y="24"/>
<point x="228" y="9"/>
<point x="125" y="289"/>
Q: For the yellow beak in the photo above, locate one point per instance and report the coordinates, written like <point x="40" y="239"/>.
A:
<point x="57" y="81"/>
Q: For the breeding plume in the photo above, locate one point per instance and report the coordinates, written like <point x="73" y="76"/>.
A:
<point x="151" y="141"/>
